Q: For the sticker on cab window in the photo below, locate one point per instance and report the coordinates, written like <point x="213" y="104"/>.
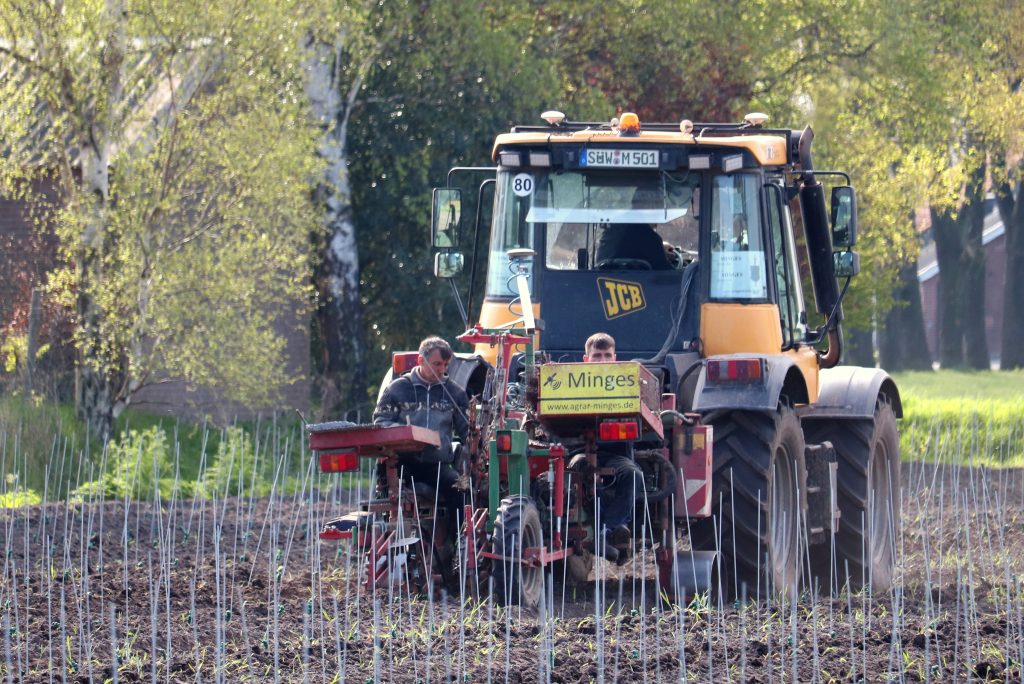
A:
<point x="522" y="184"/>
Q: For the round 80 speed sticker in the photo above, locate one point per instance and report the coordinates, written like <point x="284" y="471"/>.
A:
<point x="522" y="184"/>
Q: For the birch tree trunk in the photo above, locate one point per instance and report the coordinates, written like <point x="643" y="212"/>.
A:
<point x="94" y="387"/>
<point x="339" y="310"/>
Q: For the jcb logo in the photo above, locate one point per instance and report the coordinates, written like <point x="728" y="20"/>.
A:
<point x="620" y="297"/>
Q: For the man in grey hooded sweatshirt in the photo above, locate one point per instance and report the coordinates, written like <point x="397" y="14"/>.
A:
<point x="426" y="397"/>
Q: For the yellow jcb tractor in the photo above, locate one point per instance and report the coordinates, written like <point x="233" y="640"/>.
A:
<point x="687" y="243"/>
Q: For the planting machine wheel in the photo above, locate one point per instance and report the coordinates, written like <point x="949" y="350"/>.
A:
<point x="759" y="501"/>
<point x="413" y="560"/>
<point x="868" y="489"/>
<point x="517" y="528"/>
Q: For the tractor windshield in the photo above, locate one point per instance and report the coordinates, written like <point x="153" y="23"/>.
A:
<point x="596" y="219"/>
<point x="614" y="218"/>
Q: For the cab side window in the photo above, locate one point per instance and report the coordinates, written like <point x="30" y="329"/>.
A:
<point x="737" y="243"/>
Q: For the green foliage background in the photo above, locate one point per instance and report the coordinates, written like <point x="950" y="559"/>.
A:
<point x="210" y="223"/>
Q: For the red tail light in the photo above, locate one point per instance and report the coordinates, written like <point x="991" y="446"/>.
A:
<point x="735" y="370"/>
<point x="616" y="430"/>
<point x="403" y="362"/>
<point x="338" y="461"/>
<point x="504" y="440"/>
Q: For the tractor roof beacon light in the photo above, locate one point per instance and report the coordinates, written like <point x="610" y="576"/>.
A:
<point x="756" y="119"/>
<point x="553" y="117"/>
<point x="629" y="124"/>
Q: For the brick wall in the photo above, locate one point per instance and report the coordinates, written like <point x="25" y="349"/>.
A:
<point x="26" y="255"/>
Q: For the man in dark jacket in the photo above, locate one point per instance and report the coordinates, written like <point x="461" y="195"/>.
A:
<point x="618" y="494"/>
<point x="427" y="398"/>
<point x="632" y="242"/>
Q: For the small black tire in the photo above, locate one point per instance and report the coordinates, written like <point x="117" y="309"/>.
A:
<point x="759" y="504"/>
<point x="517" y="527"/>
<point x="869" y="499"/>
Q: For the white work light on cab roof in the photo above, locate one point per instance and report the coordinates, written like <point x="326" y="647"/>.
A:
<point x="552" y="117"/>
<point x="756" y="119"/>
<point x="686" y="126"/>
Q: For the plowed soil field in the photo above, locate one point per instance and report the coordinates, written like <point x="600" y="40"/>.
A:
<point x="243" y="590"/>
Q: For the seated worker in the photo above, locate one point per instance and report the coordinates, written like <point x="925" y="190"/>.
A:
<point x="425" y="397"/>
<point x="632" y="241"/>
<point x="618" y="496"/>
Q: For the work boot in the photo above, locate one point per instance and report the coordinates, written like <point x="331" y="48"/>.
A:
<point x="607" y="548"/>
<point x="611" y="554"/>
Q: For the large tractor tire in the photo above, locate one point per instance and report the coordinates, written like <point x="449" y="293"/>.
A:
<point x="517" y="528"/>
<point x="759" y="502"/>
<point x="868" y="493"/>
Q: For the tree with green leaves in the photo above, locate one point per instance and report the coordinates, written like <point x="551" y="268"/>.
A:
<point x="457" y="75"/>
<point x="178" y="138"/>
<point x="883" y="115"/>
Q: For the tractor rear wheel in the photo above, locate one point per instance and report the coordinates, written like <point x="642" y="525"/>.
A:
<point x="759" y="501"/>
<point x="517" y="528"/>
<point x="868" y="493"/>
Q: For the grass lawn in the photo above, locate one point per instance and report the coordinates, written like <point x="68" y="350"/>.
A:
<point x="956" y="384"/>
<point x="972" y="417"/>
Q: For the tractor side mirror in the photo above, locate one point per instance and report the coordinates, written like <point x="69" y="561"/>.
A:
<point x="847" y="264"/>
<point x="448" y="264"/>
<point x="445" y="214"/>
<point x="844" y="217"/>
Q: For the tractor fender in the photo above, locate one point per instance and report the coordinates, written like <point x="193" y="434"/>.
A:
<point x="782" y="377"/>
<point x="852" y="392"/>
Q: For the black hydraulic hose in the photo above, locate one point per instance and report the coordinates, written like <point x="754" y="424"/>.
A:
<point x="677" y="317"/>
<point x="667" y="479"/>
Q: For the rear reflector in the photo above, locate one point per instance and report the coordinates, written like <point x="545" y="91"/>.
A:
<point x="338" y="461"/>
<point x="610" y="430"/>
<point x="735" y="370"/>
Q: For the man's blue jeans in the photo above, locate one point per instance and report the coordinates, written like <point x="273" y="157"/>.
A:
<point x="619" y="492"/>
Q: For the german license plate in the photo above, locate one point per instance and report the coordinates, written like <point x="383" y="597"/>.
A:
<point x="619" y="159"/>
